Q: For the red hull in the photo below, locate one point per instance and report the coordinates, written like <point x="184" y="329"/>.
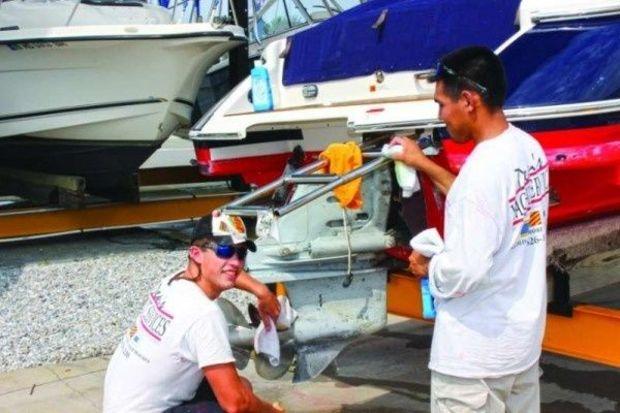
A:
<point x="584" y="172"/>
<point x="255" y="170"/>
<point x="584" y="175"/>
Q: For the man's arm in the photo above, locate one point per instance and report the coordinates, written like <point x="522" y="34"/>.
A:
<point x="234" y="394"/>
<point x="470" y="246"/>
<point x="413" y="156"/>
<point x="268" y="305"/>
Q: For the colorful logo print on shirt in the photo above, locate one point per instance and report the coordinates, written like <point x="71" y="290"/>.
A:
<point x="533" y="220"/>
<point x="528" y="203"/>
<point x="532" y="189"/>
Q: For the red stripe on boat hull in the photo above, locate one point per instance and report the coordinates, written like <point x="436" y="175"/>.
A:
<point x="584" y="171"/>
<point x="584" y="166"/>
<point x="257" y="170"/>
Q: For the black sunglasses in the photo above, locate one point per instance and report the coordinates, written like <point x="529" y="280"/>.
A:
<point x="443" y="71"/>
<point x="227" y="251"/>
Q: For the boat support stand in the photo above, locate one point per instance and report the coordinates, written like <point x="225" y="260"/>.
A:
<point x="62" y="190"/>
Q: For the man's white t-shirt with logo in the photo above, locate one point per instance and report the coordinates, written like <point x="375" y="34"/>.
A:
<point x="158" y="363"/>
<point x="489" y="283"/>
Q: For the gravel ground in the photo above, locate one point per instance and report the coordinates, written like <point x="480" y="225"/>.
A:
<point x="72" y="297"/>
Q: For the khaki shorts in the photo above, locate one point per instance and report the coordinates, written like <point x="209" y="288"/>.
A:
<point x="514" y="393"/>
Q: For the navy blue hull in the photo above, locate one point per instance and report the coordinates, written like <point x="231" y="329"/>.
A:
<point x="106" y="166"/>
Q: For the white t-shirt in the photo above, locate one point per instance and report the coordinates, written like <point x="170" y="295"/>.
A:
<point x="489" y="282"/>
<point x="158" y="363"/>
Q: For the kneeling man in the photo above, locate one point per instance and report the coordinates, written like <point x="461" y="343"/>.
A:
<point x="181" y="337"/>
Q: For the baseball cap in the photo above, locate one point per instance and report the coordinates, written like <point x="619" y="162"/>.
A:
<point x="223" y="229"/>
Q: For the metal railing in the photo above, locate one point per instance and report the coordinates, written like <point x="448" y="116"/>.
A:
<point x="303" y="176"/>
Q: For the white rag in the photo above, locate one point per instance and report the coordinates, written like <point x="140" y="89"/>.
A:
<point x="267" y="225"/>
<point x="427" y="242"/>
<point x="267" y="342"/>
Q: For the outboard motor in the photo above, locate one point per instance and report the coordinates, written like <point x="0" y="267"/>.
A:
<point x="328" y="258"/>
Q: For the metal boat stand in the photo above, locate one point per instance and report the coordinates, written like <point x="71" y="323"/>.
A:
<point x="61" y="190"/>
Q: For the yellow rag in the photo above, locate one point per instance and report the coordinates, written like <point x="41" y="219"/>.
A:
<point x="342" y="158"/>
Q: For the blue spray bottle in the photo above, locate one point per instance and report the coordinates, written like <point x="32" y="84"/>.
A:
<point x="262" y="99"/>
<point x="428" y="305"/>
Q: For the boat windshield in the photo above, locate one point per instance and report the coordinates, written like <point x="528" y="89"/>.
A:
<point x="274" y="17"/>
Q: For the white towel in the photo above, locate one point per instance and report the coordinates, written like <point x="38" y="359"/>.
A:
<point x="267" y="342"/>
<point x="427" y="242"/>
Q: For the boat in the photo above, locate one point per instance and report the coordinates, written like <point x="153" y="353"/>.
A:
<point x="96" y="86"/>
<point x="364" y="76"/>
<point x="561" y="58"/>
<point x="231" y="139"/>
<point x="268" y="21"/>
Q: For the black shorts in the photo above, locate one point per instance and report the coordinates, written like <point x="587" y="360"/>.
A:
<point x="203" y="402"/>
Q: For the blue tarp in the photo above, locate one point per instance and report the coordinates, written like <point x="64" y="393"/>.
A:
<point x="415" y="34"/>
<point x="570" y="62"/>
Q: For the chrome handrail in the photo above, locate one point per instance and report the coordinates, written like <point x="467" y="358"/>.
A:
<point x="302" y="176"/>
<point x="512" y="114"/>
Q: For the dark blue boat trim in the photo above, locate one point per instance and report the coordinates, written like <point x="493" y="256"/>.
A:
<point x="81" y="108"/>
<point x="65" y="39"/>
<point x="102" y="163"/>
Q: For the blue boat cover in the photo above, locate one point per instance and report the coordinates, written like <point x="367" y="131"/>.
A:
<point x="414" y="35"/>
<point x="560" y="63"/>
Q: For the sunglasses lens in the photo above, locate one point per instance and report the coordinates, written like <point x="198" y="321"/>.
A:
<point x="225" y="251"/>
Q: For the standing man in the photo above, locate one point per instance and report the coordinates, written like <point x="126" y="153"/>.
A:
<point x="489" y="282"/>
<point x="180" y="339"/>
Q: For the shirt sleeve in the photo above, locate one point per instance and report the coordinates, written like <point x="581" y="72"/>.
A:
<point x="471" y="240"/>
<point x="207" y="340"/>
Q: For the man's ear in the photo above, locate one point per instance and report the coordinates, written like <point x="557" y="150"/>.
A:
<point x="196" y="254"/>
<point x="470" y="99"/>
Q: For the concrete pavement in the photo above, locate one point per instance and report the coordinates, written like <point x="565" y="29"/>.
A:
<point x="385" y="372"/>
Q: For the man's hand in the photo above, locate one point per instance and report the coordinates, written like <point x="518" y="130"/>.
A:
<point x="418" y="264"/>
<point x="268" y="307"/>
<point x="412" y="155"/>
<point x="278" y="407"/>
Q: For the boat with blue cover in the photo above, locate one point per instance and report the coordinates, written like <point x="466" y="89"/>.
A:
<point x="364" y="73"/>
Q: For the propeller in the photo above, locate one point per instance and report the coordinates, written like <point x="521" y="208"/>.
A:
<point x="242" y="332"/>
<point x="268" y="371"/>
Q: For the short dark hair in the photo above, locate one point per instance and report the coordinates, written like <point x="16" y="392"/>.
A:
<point x="474" y="68"/>
<point x="202" y="233"/>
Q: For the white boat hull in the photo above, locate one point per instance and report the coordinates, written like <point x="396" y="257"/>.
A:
<point x="69" y="87"/>
<point x="99" y="87"/>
